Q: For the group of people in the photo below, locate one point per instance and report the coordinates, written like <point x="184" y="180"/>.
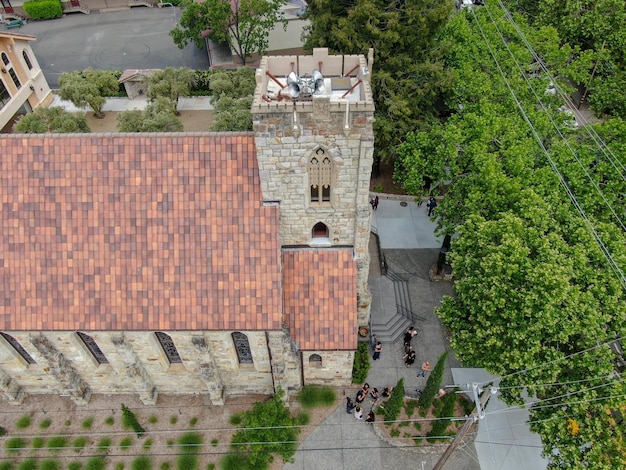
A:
<point x="356" y="406"/>
<point x="409" y="352"/>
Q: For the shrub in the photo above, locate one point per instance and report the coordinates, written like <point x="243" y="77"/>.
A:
<point x="6" y="465"/>
<point x="361" y="365"/>
<point x="54" y="119"/>
<point x="126" y="443"/>
<point x="235" y="419"/>
<point x="302" y="419"/>
<point x="433" y="384"/>
<point x="23" y="422"/>
<point x="79" y="443"/>
<point x="129" y="421"/>
<point x="86" y="424"/>
<point x="409" y="407"/>
<point x="312" y="395"/>
<point x="45" y="424"/>
<point x="110" y="421"/>
<point x="210" y="466"/>
<point x="43" y="9"/>
<point x="190" y="442"/>
<point x="417" y="426"/>
<point x="28" y="464"/>
<point x="395" y="402"/>
<point x="153" y="419"/>
<point x="3" y="432"/>
<point x="56" y="443"/>
<point x="96" y="463"/>
<point x="143" y="462"/>
<point x="235" y="461"/>
<point x="166" y="466"/>
<point x="119" y="466"/>
<point x="68" y="422"/>
<point x="38" y="442"/>
<point x="394" y="432"/>
<point x="445" y="410"/>
<point x="214" y="442"/>
<point x="75" y="466"/>
<point x="170" y="443"/>
<point x="147" y="444"/>
<point x="193" y="421"/>
<point x="104" y="443"/>
<point x="50" y="464"/>
<point x="14" y="445"/>
<point x="173" y="419"/>
<point x="187" y="462"/>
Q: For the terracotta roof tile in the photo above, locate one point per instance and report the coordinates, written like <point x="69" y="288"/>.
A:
<point x="135" y="232"/>
<point x="319" y="298"/>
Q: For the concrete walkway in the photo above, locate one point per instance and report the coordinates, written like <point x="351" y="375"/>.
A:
<point x="194" y="103"/>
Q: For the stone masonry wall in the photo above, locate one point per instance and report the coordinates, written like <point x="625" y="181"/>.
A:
<point x="335" y="369"/>
<point x="138" y="364"/>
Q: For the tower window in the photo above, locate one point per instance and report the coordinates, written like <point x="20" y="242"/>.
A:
<point x="19" y="348"/>
<point x="242" y="346"/>
<point x="315" y="360"/>
<point x="320" y="230"/>
<point x="93" y="347"/>
<point x="320" y="176"/>
<point x="169" y="348"/>
<point x="29" y="64"/>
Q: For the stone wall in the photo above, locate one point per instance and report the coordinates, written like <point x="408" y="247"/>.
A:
<point x="138" y="364"/>
<point x="334" y="369"/>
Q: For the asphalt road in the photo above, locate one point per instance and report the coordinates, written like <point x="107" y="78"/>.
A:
<point x="137" y="38"/>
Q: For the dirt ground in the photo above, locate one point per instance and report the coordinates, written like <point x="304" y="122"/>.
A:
<point x="173" y="416"/>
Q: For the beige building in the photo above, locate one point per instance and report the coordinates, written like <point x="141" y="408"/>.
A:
<point x="23" y="86"/>
<point x="206" y="263"/>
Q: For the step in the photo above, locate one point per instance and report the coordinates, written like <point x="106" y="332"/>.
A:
<point x="392" y="330"/>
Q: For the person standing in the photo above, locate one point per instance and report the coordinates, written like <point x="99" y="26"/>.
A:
<point x="358" y="414"/>
<point x="432" y="203"/>
<point x="375" y="204"/>
<point x="371" y="417"/>
<point x="377" y="350"/>
<point x="373" y="340"/>
<point x="425" y="368"/>
<point x="409" y="358"/>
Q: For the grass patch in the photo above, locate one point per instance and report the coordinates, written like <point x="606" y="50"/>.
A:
<point x="96" y="463"/>
<point x="173" y="419"/>
<point x="126" y="443"/>
<point x="86" y="424"/>
<point x="170" y="443"/>
<point x="187" y="462"/>
<point x="56" y="443"/>
<point x="214" y="442"/>
<point x="3" y="432"/>
<point x="79" y="443"/>
<point x="166" y="466"/>
<point x="50" y="464"/>
<point x="210" y="466"/>
<point x="153" y="419"/>
<point x="417" y="426"/>
<point x="193" y="421"/>
<point x="119" y="466"/>
<point x="45" y="424"/>
<point x="394" y="432"/>
<point x="234" y="461"/>
<point x="68" y="422"/>
<point x="302" y="419"/>
<point x="28" y="464"/>
<point x="23" y="422"/>
<point x="147" y="444"/>
<point x="110" y="421"/>
<point x="14" y="445"/>
<point x="143" y="462"/>
<point x="104" y="443"/>
<point x="6" y="466"/>
<point x="75" y="466"/>
<point x="235" y="419"/>
<point x="190" y="442"/>
<point x="312" y="395"/>
<point x="38" y="442"/>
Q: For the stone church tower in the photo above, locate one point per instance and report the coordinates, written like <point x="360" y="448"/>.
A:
<point x="315" y="154"/>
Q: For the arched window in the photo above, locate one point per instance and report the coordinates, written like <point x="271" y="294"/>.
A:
<point x="93" y="347"/>
<point x="18" y="348"/>
<point x="315" y="360"/>
<point x="27" y="60"/>
<point x="242" y="346"/>
<point x="12" y="74"/>
<point x="320" y="176"/>
<point x="169" y="348"/>
<point x="320" y="230"/>
<point x="5" y="59"/>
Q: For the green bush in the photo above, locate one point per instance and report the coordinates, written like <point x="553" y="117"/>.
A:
<point x="104" y="443"/>
<point x="28" y="464"/>
<point x="79" y="443"/>
<point x="193" y="421"/>
<point x="214" y="442"/>
<point x="23" y="422"/>
<point x="129" y="421"/>
<point x="433" y="384"/>
<point x="302" y="419"/>
<point x="312" y="395"/>
<point x="143" y="462"/>
<point x="50" y="464"/>
<point x="43" y="9"/>
<point x="119" y="466"/>
<point x="444" y="410"/>
<point x="147" y="444"/>
<point x="409" y="407"/>
<point x="96" y="463"/>
<point x="126" y="443"/>
<point x="153" y="419"/>
<point x="190" y="442"/>
<point x="235" y="461"/>
<point x="14" y="445"/>
<point x="3" y="432"/>
<point x="110" y="421"/>
<point x="361" y="365"/>
<point x="394" y="405"/>
<point x="235" y="419"/>
<point x="210" y="466"/>
<point x="173" y="419"/>
<point x="75" y="466"/>
<point x="56" y="443"/>
<point x="187" y="462"/>
<point x="87" y="423"/>
<point x="38" y="442"/>
<point x="166" y="466"/>
<point x="6" y="466"/>
<point x="45" y="424"/>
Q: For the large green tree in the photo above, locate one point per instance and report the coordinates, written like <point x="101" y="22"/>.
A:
<point x="171" y="83"/>
<point x="159" y="116"/>
<point x="243" y="24"/>
<point x="55" y="119"/>
<point x="88" y="87"/>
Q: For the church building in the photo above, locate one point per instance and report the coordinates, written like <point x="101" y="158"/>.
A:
<point x="217" y="264"/>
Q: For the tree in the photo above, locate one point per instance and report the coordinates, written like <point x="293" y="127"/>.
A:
<point x="171" y="83"/>
<point x="243" y="24"/>
<point x="433" y="384"/>
<point x="159" y="116"/>
<point x="55" y="119"/>
<point x="88" y="87"/>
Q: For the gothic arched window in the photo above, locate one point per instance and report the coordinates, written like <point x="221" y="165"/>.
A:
<point x="169" y="348"/>
<point x="242" y="346"/>
<point x="18" y="348"/>
<point x="29" y="64"/>
<point x="315" y="360"/>
<point x="93" y="347"/>
<point x="320" y="176"/>
<point x="320" y="230"/>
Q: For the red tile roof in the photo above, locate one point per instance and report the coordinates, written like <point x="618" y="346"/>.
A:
<point x="136" y="232"/>
<point x="320" y="299"/>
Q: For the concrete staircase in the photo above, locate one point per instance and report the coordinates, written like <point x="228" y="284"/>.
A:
<point x="391" y="308"/>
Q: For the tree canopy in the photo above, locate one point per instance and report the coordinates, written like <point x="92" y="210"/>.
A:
<point x="171" y="83"/>
<point x="88" y="87"/>
<point x="243" y="24"/>
<point x="55" y="119"/>
<point x="232" y="99"/>
<point x="159" y="116"/>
